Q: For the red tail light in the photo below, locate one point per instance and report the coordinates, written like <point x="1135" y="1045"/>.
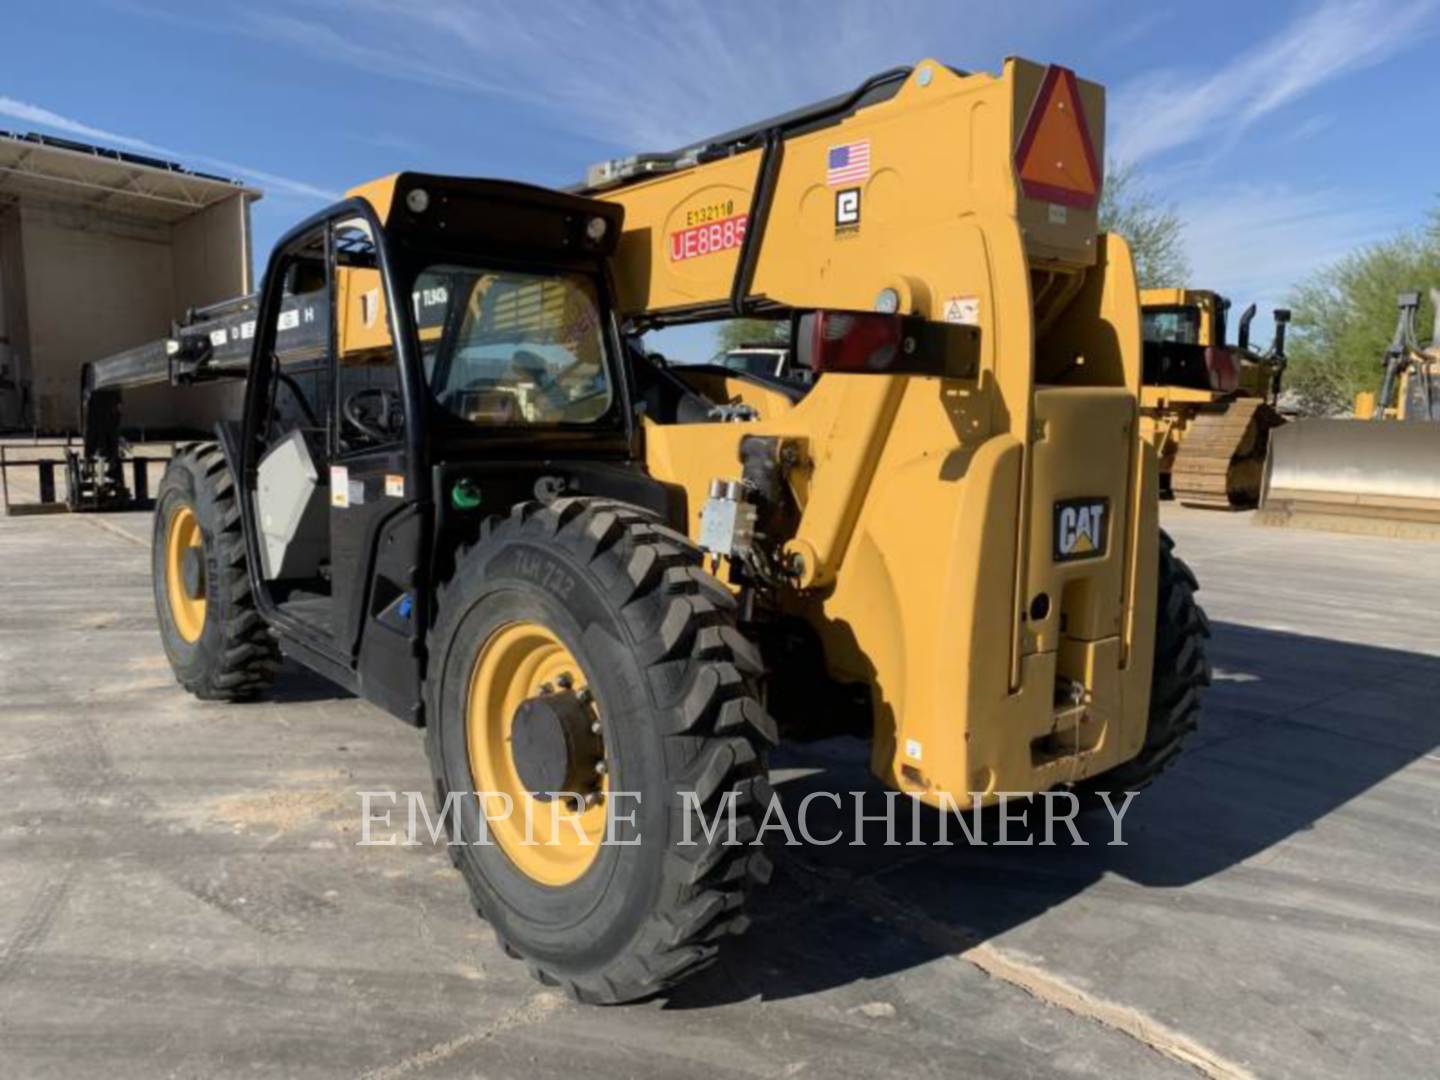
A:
<point x="851" y="341"/>
<point x="860" y="342"/>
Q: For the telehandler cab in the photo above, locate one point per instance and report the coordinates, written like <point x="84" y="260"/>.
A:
<point x="606" y="585"/>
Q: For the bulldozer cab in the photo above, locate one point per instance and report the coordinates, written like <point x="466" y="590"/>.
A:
<point x="420" y="319"/>
<point x="1184" y="333"/>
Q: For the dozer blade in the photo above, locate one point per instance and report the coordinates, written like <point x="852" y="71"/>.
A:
<point x="1222" y="456"/>
<point x="1378" y="478"/>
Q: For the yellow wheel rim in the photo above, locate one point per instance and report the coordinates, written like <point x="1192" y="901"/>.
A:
<point x="547" y="840"/>
<point x="188" y="612"/>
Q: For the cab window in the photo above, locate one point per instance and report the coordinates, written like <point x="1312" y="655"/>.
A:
<point x="508" y="348"/>
<point x="368" y="403"/>
<point x="1177" y="325"/>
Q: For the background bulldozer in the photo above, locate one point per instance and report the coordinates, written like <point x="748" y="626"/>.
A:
<point x="1379" y="472"/>
<point x="1209" y="408"/>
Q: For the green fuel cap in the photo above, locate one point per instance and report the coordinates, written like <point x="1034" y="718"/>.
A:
<point x="465" y="495"/>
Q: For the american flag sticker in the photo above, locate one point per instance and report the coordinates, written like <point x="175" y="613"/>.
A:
<point x="848" y="164"/>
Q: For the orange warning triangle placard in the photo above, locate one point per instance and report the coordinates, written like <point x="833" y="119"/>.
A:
<point x="1055" y="157"/>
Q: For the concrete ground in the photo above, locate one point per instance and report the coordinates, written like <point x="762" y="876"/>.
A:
<point x="181" y="894"/>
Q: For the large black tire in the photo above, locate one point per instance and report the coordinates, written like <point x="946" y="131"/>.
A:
<point x="235" y="657"/>
<point x="1181" y="672"/>
<point x="673" y="681"/>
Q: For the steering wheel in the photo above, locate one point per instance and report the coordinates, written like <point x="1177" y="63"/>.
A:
<point x="387" y="407"/>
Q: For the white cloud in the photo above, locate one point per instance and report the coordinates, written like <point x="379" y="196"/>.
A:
<point x="45" y="118"/>
<point x="1166" y="110"/>
<point x="652" y="75"/>
<point x="1310" y="127"/>
<point x="1256" y="242"/>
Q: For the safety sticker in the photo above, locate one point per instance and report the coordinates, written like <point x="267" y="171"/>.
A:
<point x="356" y="494"/>
<point x="707" y="239"/>
<point x="394" y="486"/>
<point x="847" y="164"/>
<point x="339" y="486"/>
<point x="1058" y="214"/>
<point x="847" y="209"/>
<point x="217" y="338"/>
<point x="964" y="310"/>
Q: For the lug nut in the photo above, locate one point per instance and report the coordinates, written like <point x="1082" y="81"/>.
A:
<point x="592" y="798"/>
<point x="601" y="768"/>
<point x="595" y="728"/>
<point x="565" y="681"/>
<point x="546" y="688"/>
<point x="584" y="696"/>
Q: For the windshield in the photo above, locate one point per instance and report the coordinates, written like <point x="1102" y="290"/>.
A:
<point x="511" y="348"/>
<point x="1180" y="325"/>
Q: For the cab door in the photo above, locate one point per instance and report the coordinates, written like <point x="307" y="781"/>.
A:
<point x="378" y="522"/>
<point x="337" y="509"/>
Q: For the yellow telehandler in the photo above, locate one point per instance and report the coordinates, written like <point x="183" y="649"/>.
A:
<point x="607" y="585"/>
<point x="1208" y="407"/>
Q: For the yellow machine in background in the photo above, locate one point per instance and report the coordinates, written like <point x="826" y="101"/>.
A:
<point x="1380" y="472"/>
<point x="1208" y="408"/>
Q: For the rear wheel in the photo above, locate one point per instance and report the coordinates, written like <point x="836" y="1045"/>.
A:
<point x="1181" y="671"/>
<point x="217" y="643"/>
<point x="588" y="673"/>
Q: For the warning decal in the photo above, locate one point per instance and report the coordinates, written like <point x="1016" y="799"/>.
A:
<point x="1055" y="158"/>
<point x="964" y="310"/>
<point x="339" y="486"/>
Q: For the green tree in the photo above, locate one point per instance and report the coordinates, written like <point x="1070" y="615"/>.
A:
<point x="1154" y="230"/>
<point x="1345" y="316"/>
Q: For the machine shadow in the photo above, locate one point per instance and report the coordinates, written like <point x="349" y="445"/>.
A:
<point x="297" y="685"/>
<point x="1293" y="728"/>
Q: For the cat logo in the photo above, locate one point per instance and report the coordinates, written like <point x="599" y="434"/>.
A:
<point x="1080" y="528"/>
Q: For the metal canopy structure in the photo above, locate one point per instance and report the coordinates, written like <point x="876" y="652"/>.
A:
<point x="62" y="171"/>
<point x="101" y="250"/>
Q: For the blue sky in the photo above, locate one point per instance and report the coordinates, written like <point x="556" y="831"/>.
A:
<point x="1284" y="133"/>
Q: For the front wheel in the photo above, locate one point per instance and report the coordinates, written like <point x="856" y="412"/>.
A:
<point x="590" y="701"/>
<point x="218" y="645"/>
